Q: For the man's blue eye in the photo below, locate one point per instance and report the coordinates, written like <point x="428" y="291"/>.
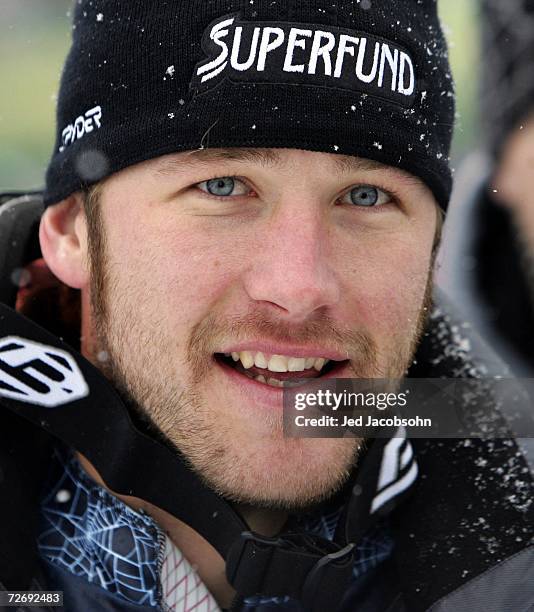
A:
<point x="221" y="186"/>
<point x="365" y="196"/>
<point x="225" y="187"/>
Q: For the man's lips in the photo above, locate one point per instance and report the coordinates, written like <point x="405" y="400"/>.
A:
<point x="271" y="365"/>
<point x="270" y="378"/>
<point x="261" y="393"/>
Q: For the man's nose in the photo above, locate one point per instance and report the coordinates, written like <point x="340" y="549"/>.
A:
<point x="292" y="265"/>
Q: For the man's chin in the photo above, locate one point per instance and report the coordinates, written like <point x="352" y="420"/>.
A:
<point x="287" y="474"/>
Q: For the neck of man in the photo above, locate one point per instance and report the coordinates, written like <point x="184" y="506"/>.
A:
<point x="208" y="563"/>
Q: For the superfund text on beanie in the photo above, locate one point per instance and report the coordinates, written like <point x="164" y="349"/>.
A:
<point x="368" y="78"/>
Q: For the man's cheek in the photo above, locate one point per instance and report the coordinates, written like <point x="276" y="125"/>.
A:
<point x="390" y="295"/>
<point x="196" y="270"/>
<point x="385" y="309"/>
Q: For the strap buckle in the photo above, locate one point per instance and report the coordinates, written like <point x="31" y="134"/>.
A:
<point x="290" y="566"/>
<point x="334" y="569"/>
<point x="248" y="561"/>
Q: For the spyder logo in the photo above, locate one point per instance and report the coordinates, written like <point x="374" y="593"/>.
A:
<point x="39" y="374"/>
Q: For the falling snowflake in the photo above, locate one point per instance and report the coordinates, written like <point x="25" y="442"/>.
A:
<point x="170" y="71"/>
<point x="100" y="17"/>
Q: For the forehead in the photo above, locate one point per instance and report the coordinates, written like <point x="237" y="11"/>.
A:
<point x="277" y="159"/>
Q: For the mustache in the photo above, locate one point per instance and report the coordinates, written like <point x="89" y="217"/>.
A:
<point x="213" y="331"/>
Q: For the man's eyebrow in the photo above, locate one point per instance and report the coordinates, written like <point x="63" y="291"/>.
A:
<point x="267" y="158"/>
<point x="346" y="164"/>
<point x="263" y="157"/>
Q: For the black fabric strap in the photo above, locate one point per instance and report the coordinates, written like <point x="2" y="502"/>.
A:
<point x="24" y="453"/>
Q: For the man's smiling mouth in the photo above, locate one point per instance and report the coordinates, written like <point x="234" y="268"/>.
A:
<point x="278" y="370"/>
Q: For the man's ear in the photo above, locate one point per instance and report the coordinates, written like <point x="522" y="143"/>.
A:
<point x="63" y="238"/>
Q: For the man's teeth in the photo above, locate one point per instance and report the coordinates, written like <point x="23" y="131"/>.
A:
<point x="279" y="363"/>
<point x="273" y="382"/>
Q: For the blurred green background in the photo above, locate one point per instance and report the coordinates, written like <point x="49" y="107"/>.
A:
<point x="35" y="36"/>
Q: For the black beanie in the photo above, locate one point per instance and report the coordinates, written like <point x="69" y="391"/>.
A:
<point x="368" y="78"/>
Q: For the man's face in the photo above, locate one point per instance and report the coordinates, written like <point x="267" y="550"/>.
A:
<point x="277" y="258"/>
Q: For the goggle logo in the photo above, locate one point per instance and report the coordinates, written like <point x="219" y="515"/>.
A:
<point x="39" y="374"/>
